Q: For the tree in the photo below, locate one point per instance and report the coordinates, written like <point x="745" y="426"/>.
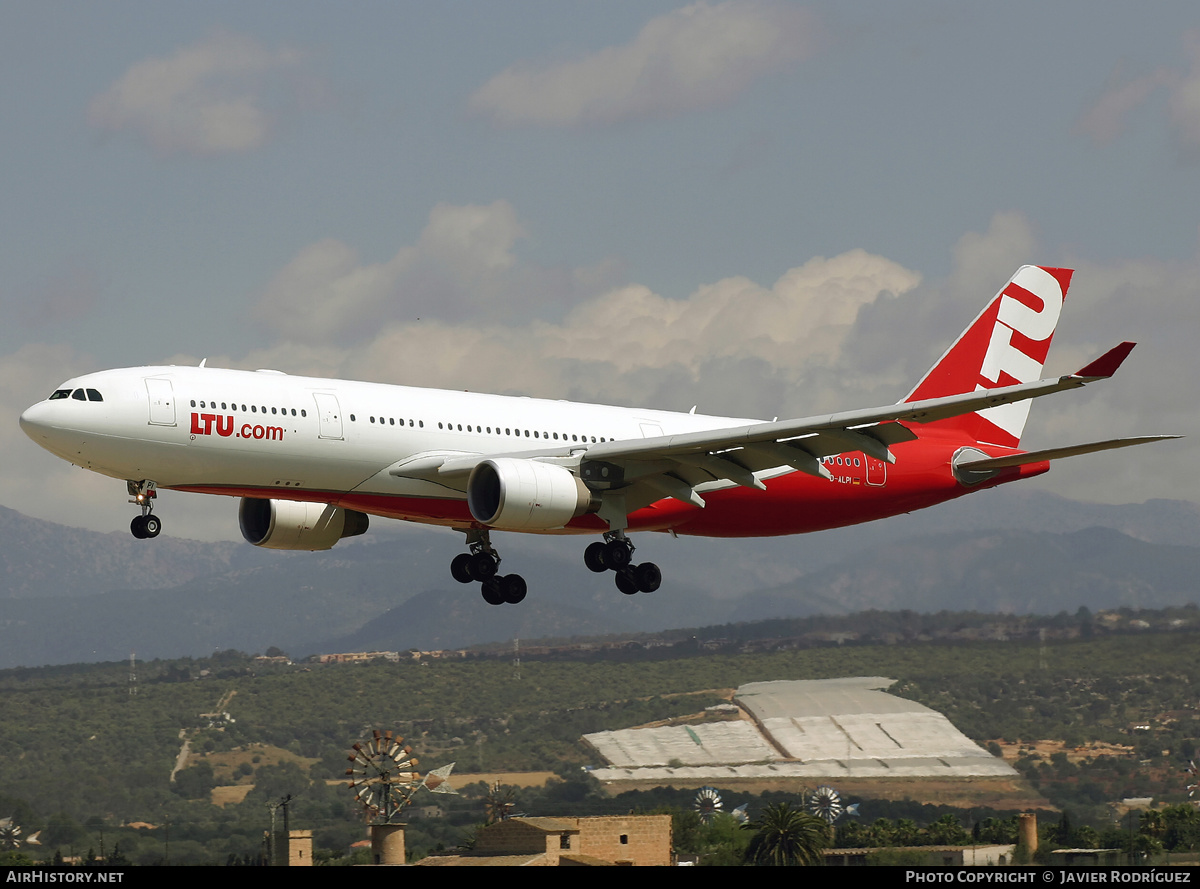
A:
<point x="786" y="836"/>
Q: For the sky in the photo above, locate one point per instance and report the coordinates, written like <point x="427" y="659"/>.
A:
<point x="760" y="208"/>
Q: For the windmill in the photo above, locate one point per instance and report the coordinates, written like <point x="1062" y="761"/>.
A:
<point x="10" y="835"/>
<point x="499" y="802"/>
<point x="708" y="804"/>
<point x="384" y="778"/>
<point x="826" y="804"/>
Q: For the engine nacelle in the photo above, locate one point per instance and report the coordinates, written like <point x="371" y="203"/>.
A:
<point x="291" y="524"/>
<point x="525" y="495"/>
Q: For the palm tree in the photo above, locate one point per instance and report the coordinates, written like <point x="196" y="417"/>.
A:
<point x="787" y="836"/>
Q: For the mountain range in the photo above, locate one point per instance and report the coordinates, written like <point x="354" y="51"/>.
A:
<point x="69" y="595"/>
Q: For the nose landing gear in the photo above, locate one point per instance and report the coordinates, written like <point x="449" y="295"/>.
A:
<point x="615" y="553"/>
<point x="147" y="525"/>
<point x="482" y="565"/>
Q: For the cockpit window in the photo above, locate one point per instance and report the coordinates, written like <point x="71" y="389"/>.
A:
<point x="60" y="393"/>
<point x="79" y="395"/>
<point x="94" y="395"/>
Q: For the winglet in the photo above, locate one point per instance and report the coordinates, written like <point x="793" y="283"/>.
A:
<point x="1106" y="365"/>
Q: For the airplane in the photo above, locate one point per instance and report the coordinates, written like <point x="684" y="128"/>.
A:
<point x="311" y="459"/>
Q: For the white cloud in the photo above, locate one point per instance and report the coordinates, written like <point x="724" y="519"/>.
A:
<point x="462" y="266"/>
<point x="1105" y="120"/>
<point x="627" y="344"/>
<point x="208" y="98"/>
<point x="1184" y="102"/>
<point x="694" y="57"/>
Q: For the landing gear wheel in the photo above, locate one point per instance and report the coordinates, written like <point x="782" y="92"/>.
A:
<point x="626" y="583"/>
<point x="593" y="557"/>
<point x="512" y="588"/>
<point x="151" y="526"/>
<point x="138" y="527"/>
<point x="460" y="568"/>
<point x="491" y="592"/>
<point x="648" y="577"/>
<point x="617" y="554"/>
<point x="483" y="566"/>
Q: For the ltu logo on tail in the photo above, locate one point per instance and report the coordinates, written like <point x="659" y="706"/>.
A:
<point x="1023" y="358"/>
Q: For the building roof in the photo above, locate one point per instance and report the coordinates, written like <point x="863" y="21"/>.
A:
<point x="825" y="728"/>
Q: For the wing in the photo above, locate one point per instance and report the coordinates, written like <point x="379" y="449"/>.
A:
<point x="684" y="466"/>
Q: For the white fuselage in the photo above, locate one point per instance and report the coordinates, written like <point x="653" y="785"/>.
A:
<point x="262" y="431"/>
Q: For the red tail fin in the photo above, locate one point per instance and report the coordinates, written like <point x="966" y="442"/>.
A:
<point x="1006" y="344"/>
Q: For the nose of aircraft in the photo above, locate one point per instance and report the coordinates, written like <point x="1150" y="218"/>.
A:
<point x="35" y="419"/>
<point x="44" y="422"/>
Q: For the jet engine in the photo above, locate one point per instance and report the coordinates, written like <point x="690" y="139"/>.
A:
<point x="292" y="524"/>
<point x="525" y="495"/>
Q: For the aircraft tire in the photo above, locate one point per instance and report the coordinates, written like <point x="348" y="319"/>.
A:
<point x="138" y="527"/>
<point x="491" y="592"/>
<point x="483" y="566"/>
<point x="626" y="583"/>
<point x="460" y="568"/>
<point x="513" y="588"/>
<point x="593" y="557"/>
<point x="648" y="577"/>
<point x="151" y="526"/>
<point x="617" y="554"/>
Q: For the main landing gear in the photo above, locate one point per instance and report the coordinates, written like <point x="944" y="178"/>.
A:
<point x="146" y="525"/>
<point x="615" y="553"/>
<point x="482" y="565"/>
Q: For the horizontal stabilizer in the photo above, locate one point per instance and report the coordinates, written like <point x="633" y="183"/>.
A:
<point x="1106" y="365"/>
<point x="993" y="463"/>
